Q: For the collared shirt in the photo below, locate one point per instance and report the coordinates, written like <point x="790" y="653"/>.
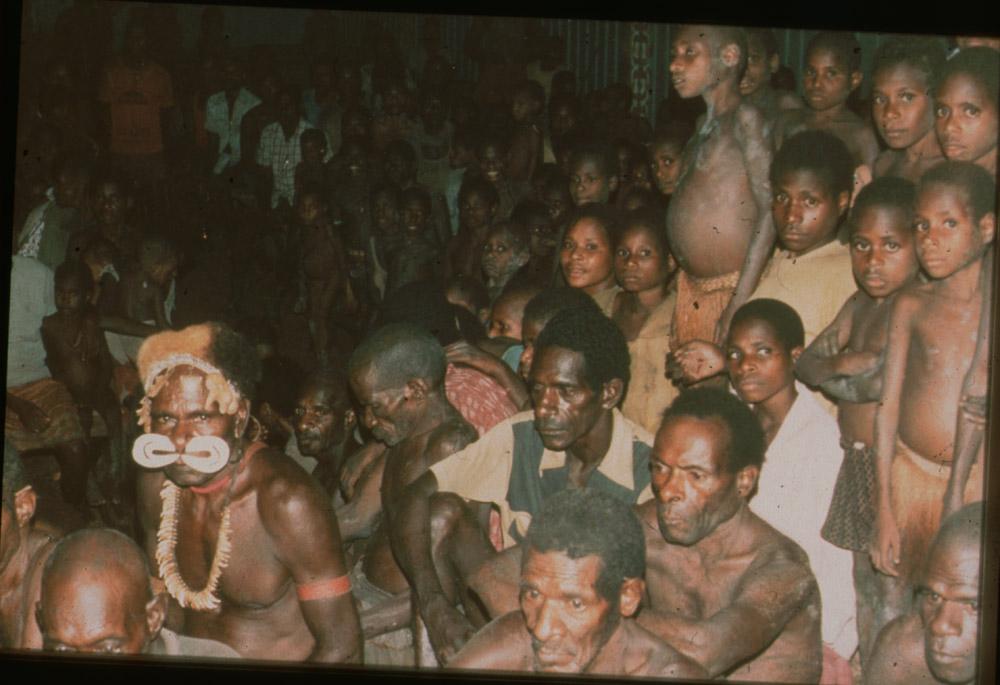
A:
<point x="510" y="467"/>
<point x="32" y="298"/>
<point x="282" y="155"/>
<point x="815" y="285"/>
<point x="226" y="124"/>
<point x="793" y="495"/>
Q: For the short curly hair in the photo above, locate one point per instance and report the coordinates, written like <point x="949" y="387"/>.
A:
<point x="781" y="317"/>
<point x="976" y="184"/>
<point x="746" y="437"/>
<point x="887" y="191"/>
<point x="925" y="54"/>
<point x="595" y="336"/>
<point x="820" y="152"/>
<point x="582" y="522"/>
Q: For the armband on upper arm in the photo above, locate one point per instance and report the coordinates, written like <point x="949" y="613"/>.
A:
<point x="324" y="589"/>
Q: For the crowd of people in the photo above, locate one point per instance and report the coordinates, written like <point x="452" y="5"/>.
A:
<point x="400" y="370"/>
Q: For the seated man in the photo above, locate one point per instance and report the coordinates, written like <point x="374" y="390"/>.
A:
<point x="575" y="437"/>
<point x="581" y="586"/>
<point x="277" y="586"/>
<point x="96" y="598"/>
<point x="21" y="547"/>
<point x="397" y="377"/>
<point x="936" y="641"/>
<point x="725" y="588"/>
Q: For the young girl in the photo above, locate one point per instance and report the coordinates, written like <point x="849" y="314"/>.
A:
<point x="966" y="108"/>
<point x="587" y="257"/>
<point x="643" y="310"/>
<point x="903" y="106"/>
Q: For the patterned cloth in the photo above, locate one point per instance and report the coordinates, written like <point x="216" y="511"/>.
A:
<point x="394" y="648"/>
<point x="850" y="523"/>
<point x="226" y="124"/>
<point x="54" y="399"/>
<point x="478" y="398"/>
<point x="700" y="303"/>
<point x="282" y="155"/>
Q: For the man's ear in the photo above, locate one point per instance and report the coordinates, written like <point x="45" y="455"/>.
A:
<point x="773" y="63"/>
<point x="416" y="388"/>
<point x="242" y="416"/>
<point x="611" y="393"/>
<point x="988" y="227"/>
<point x="843" y="202"/>
<point x="156" y="614"/>
<point x="631" y="596"/>
<point x="746" y="480"/>
<point x="350" y="420"/>
<point x="25" y="503"/>
<point x="796" y="353"/>
<point x="856" y="78"/>
<point x="730" y="55"/>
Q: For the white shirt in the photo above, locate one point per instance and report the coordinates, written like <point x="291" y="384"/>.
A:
<point x="282" y="155"/>
<point x="31" y="234"/>
<point x="32" y="298"/>
<point x="793" y="495"/>
<point x="225" y="124"/>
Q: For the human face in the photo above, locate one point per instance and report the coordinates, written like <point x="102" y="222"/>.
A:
<point x="556" y="201"/>
<point x="71" y="295"/>
<point x="523" y="107"/>
<point x="566" y="407"/>
<point x="161" y="274"/>
<point x="948" y="239"/>
<point x="355" y="159"/>
<point x="562" y="120"/>
<point x="694" y="493"/>
<point x="883" y="254"/>
<point x="759" y="364"/>
<point x="640" y="264"/>
<point x="313" y="151"/>
<point x="109" y="204"/>
<point x="492" y="163"/>
<point x="92" y="616"/>
<point x="69" y="189"/>
<point x="414" y="215"/>
<point x="319" y="422"/>
<point x="758" y="71"/>
<point x="586" y="256"/>
<point x="475" y="212"/>
<point x="569" y="621"/>
<point x="948" y="602"/>
<point x="587" y="183"/>
<point x="385" y="411"/>
<point x="543" y="239"/>
<point x="397" y="169"/>
<point x="901" y="106"/>
<point x="500" y="256"/>
<point x="805" y="212"/>
<point x="505" y="319"/>
<point x="966" y="123"/>
<point x="460" y="156"/>
<point x="308" y="208"/>
<point x="179" y="412"/>
<point x="666" y="166"/>
<point x="691" y="63"/>
<point x="826" y="81"/>
<point x="530" y="328"/>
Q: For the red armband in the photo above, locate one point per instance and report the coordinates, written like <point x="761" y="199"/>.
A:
<point x="324" y="589"/>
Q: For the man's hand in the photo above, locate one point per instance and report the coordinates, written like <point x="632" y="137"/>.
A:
<point x="447" y="628"/>
<point x="462" y="352"/>
<point x="695" y="361"/>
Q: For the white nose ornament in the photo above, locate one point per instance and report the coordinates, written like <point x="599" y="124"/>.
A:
<point x="204" y="453"/>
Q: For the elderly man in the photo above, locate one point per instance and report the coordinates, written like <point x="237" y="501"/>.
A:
<point x="397" y="376"/>
<point x="936" y="642"/>
<point x="96" y="598"/>
<point x="581" y="585"/>
<point x="575" y="437"/>
<point x="244" y="540"/>
<point x="725" y="588"/>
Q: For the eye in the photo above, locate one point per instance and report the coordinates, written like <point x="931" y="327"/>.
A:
<point x="921" y="226"/>
<point x="879" y="99"/>
<point x="202" y="417"/>
<point x="577" y="603"/>
<point x="696" y="475"/>
<point x="908" y="97"/>
<point x="733" y="355"/>
<point x="941" y="111"/>
<point x="971" y="110"/>
<point x="860" y="246"/>
<point x="622" y="253"/>
<point x="950" y="223"/>
<point x="811" y="202"/>
<point x="781" y="197"/>
<point x="567" y="245"/>
<point x="657" y="467"/>
<point x="764" y="351"/>
<point x="892" y="246"/>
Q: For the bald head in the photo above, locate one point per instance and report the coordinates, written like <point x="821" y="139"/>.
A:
<point x="96" y="595"/>
<point x="397" y="353"/>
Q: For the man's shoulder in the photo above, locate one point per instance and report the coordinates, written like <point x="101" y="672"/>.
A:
<point x="451" y="436"/>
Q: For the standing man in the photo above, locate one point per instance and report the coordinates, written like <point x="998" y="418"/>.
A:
<point x="276" y="586"/>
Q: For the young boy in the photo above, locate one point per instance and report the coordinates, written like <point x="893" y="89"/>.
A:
<point x="832" y="73"/>
<point x="417" y="255"/>
<point x="313" y="169"/>
<point x="526" y="143"/>
<point x="593" y="175"/>
<point x="718" y="225"/>
<point x="492" y="155"/>
<point x="534" y="216"/>
<point x="845" y="361"/>
<point x="665" y="152"/>
<point x="477" y="207"/>
<point x="505" y="251"/>
<point x="903" y="106"/>
<point x="932" y="339"/>
<point x="762" y="63"/>
<point x="966" y="107"/>
<point x="461" y="156"/>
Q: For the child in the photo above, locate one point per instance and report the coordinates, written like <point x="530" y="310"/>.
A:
<point x="312" y="170"/>
<point x="557" y="198"/>
<point x="643" y="309"/>
<point x="492" y="154"/>
<point x="539" y="311"/>
<point x="666" y="150"/>
<point x="966" y="106"/>
<point x="832" y="73"/>
<point x="932" y="338"/>
<point x="417" y="255"/>
<point x="903" y="106"/>
<point x="845" y="361"/>
<point x="718" y="225"/>
<point x="587" y="253"/>
<point x="534" y="216"/>
<point x="470" y="294"/>
<point x="477" y="207"/>
<point x="593" y="173"/>
<point x="526" y="144"/>
<point x="633" y="168"/>
<point x="279" y="151"/>
<point x="763" y="62"/>
<point x="505" y="251"/>
<point x="461" y="156"/>
<point x="400" y="167"/>
<point x="431" y="140"/>
<point x="385" y="237"/>
<point x="564" y="112"/>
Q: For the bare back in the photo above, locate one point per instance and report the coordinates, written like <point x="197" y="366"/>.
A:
<point x="713" y="212"/>
<point x="707" y="594"/>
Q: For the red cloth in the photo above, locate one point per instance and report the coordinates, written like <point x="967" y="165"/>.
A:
<point x="836" y="669"/>
<point x="478" y="398"/>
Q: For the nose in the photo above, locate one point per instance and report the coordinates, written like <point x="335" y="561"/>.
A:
<point x="368" y="418"/>
<point x="794" y="212"/>
<point x="891" y="110"/>
<point x="875" y="257"/>
<point x="180" y="435"/>
<point x="547" y="625"/>
<point x="950" y="124"/>
<point x="670" y="488"/>
<point x="546" y="403"/>
<point x="947" y="620"/>
<point x="675" y="65"/>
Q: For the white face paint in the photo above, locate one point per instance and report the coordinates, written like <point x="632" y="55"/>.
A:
<point x="205" y="453"/>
